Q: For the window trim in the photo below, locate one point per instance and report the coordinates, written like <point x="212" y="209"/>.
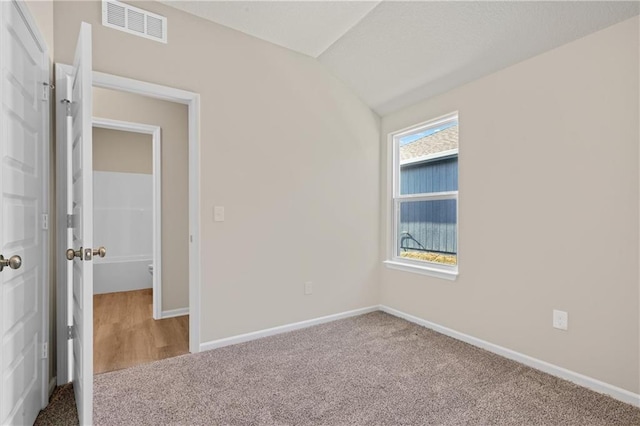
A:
<point x="394" y="199"/>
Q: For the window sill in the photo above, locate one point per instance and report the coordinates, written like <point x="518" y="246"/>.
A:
<point x="423" y="270"/>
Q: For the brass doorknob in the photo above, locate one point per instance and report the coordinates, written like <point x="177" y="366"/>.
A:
<point x="14" y="262"/>
<point x="71" y="253"/>
<point x="102" y="252"/>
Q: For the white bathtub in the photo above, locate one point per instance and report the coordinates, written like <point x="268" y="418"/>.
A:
<point x="127" y="275"/>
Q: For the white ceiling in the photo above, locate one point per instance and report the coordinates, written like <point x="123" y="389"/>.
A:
<point x="308" y="27"/>
<point x="395" y="53"/>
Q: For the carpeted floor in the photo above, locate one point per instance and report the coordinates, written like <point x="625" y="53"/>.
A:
<point x="61" y="410"/>
<point x="373" y="369"/>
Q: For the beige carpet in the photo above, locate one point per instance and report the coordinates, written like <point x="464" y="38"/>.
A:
<point x="373" y="369"/>
<point x="61" y="409"/>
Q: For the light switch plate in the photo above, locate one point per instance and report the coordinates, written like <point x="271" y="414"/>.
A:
<point x="218" y="213"/>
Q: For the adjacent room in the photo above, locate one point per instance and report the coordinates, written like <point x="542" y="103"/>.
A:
<point x="140" y="289"/>
<point x="320" y="212"/>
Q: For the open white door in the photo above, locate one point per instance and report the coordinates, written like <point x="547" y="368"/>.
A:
<point x="80" y="214"/>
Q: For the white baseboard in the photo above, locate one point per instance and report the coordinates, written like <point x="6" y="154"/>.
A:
<point x="52" y="385"/>
<point x="174" y="313"/>
<point x="577" y="378"/>
<point x="214" y="344"/>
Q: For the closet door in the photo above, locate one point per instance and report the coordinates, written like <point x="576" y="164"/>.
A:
<point x="23" y="114"/>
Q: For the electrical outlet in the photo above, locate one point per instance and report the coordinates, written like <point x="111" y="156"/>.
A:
<point x="560" y="320"/>
<point x="308" y="287"/>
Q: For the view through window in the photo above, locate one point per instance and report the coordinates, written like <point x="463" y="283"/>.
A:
<point x="426" y="193"/>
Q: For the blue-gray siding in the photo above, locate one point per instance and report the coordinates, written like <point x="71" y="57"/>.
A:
<point x="435" y="176"/>
<point x="431" y="223"/>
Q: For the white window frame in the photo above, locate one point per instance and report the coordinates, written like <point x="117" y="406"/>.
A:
<point x="394" y="261"/>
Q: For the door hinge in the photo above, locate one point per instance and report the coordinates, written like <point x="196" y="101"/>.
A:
<point x="71" y="332"/>
<point x="67" y="103"/>
<point x="45" y="221"/>
<point x="72" y="220"/>
<point x="45" y="350"/>
<point x="45" y="91"/>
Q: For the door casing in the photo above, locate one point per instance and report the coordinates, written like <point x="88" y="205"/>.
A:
<point x="192" y="100"/>
<point x="156" y="143"/>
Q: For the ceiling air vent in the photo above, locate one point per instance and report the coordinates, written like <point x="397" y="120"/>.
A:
<point x="133" y="20"/>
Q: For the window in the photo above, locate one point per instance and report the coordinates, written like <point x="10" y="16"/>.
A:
<point x="424" y="228"/>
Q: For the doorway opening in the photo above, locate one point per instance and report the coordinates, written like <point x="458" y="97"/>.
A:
<point x="168" y="306"/>
<point x="128" y="323"/>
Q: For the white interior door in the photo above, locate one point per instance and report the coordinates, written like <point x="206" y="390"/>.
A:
<point x="23" y="121"/>
<point x="80" y="206"/>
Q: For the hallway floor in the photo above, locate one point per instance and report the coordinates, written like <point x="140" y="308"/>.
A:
<point x="125" y="333"/>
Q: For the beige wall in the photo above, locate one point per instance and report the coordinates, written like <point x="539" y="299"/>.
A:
<point x="173" y="120"/>
<point x="42" y="12"/>
<point x="289" y="151"/>
<point x="548" y="208"/>
<point x="549" y="152"/>
<point x="124" y="152"/>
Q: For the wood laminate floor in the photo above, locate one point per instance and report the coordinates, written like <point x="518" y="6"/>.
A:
<point x="125" y="333"/>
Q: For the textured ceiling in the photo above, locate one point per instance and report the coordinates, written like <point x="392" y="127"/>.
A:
<point x="308" y="27"/>
<point x="396" y="53"/>
<point x="401" y="53"/>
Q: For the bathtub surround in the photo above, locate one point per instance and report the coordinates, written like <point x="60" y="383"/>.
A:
<point x="123" y="219"/>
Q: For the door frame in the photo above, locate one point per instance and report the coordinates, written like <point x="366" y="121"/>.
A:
<point x="47" y="384"/>
<point x="156" y="146"/>
<point x="156" y="91"/>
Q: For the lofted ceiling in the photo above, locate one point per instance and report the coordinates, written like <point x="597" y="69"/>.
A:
<point x="396" y="53"/>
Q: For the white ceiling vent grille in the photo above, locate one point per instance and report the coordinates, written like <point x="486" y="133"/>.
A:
<point x="133" y="20"/>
